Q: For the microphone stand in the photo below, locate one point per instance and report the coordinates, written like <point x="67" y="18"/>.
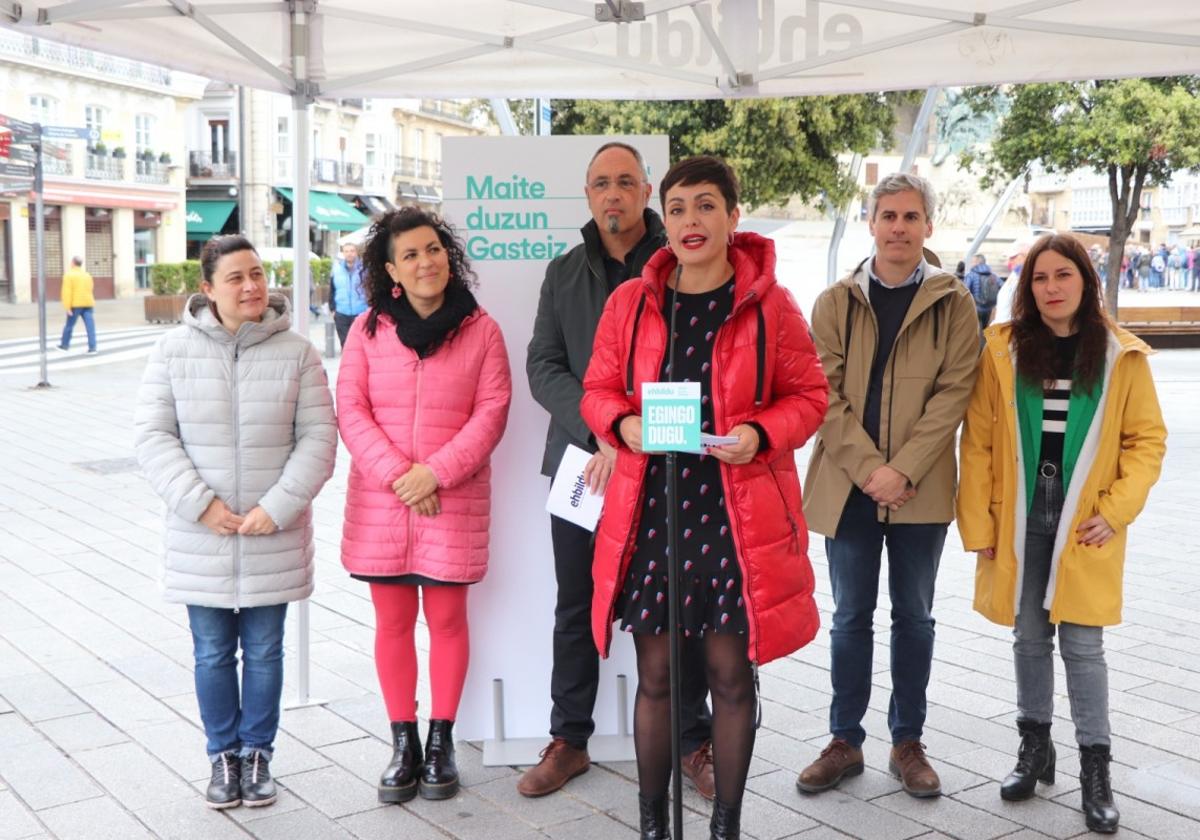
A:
<point x="673" y="586"/>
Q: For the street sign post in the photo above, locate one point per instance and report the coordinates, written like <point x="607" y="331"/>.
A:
<point x="69" y="132"/>
<point x="16" y="170"/>
<point x="14" y="135"/>
<point x="20" y="153"/>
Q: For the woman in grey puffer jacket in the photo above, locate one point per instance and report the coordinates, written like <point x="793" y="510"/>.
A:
<point x="236" y="433"/>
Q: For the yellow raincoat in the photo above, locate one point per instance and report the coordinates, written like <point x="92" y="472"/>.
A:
<point x="1118" y="464"/>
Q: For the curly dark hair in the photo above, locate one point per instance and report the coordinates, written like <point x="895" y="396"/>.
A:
<point x="377" y="253"/>
<point x="1033" y="339"/>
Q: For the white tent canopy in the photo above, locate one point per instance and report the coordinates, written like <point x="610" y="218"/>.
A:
<point x="659" y="49"/>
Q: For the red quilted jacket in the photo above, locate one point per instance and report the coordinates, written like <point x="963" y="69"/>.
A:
<point x="764" y="349"/>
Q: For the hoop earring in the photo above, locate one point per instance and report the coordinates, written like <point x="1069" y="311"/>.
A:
<point x="397" y="291"/>
<point x="730" y="238"/>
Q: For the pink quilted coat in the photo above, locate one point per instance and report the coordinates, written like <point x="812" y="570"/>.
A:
<point x="447" y="411"/>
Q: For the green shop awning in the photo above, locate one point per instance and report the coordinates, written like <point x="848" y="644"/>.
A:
<point x="330" y="210"/>
<point x="206" y="218"/>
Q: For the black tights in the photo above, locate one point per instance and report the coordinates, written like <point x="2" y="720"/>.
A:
<point x="731" y="683"/>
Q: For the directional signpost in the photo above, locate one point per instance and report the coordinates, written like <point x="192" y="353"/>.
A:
<point x="21" y="145"/>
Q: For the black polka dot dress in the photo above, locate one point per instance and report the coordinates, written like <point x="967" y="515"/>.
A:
<point x="711" y="578"/>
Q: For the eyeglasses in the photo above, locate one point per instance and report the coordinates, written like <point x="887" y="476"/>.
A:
<point x="625" y="184"/>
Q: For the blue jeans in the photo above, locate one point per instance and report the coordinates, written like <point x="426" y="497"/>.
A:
<point x="251" y="722"/>
<point x="88" y="323"/>
<point x="1081" y="646"/>
<point x="914" y="552"/>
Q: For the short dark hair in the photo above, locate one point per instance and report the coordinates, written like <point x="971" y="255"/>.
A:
<point x="377" y="253"/>
<point x="76" y="260"/>
<point x="617" y="144"/>
<point x="220" y="246"/>
<point x="702" y="169"/>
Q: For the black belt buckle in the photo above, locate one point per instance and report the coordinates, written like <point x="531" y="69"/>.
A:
<point x="1048" y="469"/>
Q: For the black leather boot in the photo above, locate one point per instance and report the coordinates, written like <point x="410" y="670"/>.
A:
<point x="726" y="823"/>
<point x="654" y="818"/>
<point x="439" y="777"/>
<point x="1099" y="812"/>
<point x="224" y="788"/>
<point x="1035" y="762"/>
<point x="399" y="780"/>
<point x="258" y="788"/>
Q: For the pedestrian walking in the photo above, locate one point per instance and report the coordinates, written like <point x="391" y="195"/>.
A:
<point x="235" y="432"/>
<point x="1062" y="443"/>
<point x="984" y="287"/>
<point x="423" y="393"/>
<point x="898" y="339"/>
<point x="347" y="296"/>
<point x="78" y="300"/>
<point x="743" y="604"/>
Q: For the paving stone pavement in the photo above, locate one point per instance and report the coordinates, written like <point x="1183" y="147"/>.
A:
<point x="99" y="730"/>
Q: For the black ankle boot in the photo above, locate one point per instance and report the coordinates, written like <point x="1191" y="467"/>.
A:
<point x="1099" y="812"/>
<point x="1035" y="762"/>
<point x="439" y="777"/>
<point x="399" y="780"/>
<point x="654" y="819"/>
<point x="726" y="823"/>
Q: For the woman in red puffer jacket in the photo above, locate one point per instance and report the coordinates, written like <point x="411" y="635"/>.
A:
<point x="746" y="583"/>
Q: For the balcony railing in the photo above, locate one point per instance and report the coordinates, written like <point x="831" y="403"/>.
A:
<point x="446" y="109"/>
<point x="100" y="168"/>
<point x="150" y="172"/>
<point x="330" y="171"/>
<point x="56" y="159"/>
<point x="326" y="171"/>
<point x="203" y="165"/>
<point x="84" y="61"/>
<point x="417" y="168"/>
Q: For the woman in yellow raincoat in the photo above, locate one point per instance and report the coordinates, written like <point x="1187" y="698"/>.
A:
<point x="1062" y="442"/>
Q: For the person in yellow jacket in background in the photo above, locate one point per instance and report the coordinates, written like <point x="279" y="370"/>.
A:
<point x="78" y="301"/>
<point x="1062" y="442"/>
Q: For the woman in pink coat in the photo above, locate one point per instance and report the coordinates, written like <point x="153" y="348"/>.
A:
<point x="422" y="394"/>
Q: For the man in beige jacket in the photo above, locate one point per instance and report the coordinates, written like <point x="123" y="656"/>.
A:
<point x="899" y="340"/>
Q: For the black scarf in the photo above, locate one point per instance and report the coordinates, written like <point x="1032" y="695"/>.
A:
<point x="426" y="335"/>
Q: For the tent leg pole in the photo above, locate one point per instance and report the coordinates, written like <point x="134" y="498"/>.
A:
<point x="990" y="219"/>
<point x="839" y="227"/>
<point x="917" y="139"/>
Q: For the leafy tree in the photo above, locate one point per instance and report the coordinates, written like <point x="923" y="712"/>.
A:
<point x="1139" y="132"/>
<point x="779" y="148"/>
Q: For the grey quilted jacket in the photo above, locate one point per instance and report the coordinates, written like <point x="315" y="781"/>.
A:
<point x="247" y="418"/>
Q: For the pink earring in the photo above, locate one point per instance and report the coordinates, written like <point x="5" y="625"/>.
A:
<point x="397" y="291"/>
<point x="730" y="237"/>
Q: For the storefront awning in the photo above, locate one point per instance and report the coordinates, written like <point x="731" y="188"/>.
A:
<point x="206" y="218"/>
<point x="330" y="210"/>
<point x="428" y="194"/>
<point x="406" y="191"/>
<point x="378" y="204"/>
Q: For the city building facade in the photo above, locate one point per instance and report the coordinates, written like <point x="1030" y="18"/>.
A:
<point x="117" y="200"/>
<point x="366" y="156"/>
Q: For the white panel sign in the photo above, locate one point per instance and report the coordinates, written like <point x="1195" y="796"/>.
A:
<point x="518" y="202"/>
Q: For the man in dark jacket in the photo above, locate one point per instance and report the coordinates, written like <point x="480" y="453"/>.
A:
<point x="621" y="236"/>
<point x="983" y="286"/>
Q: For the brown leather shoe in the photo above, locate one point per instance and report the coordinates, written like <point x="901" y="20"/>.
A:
<point x="698" y="768"/>
<point x="908" y="762"/>
<point x="560" y="763"/>
<point x="838" y="761"/>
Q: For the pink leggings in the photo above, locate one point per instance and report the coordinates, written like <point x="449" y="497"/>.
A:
<point x="396" y="650"/>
